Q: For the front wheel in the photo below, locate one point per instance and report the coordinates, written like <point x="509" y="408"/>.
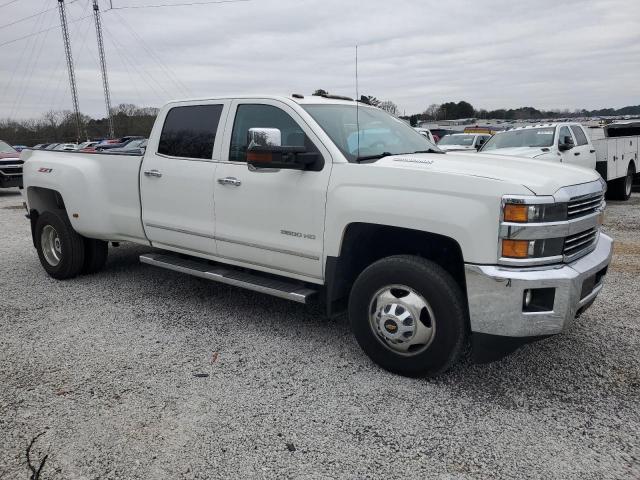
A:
<point x="60" y="248"/>
<point x="408" y="315"/>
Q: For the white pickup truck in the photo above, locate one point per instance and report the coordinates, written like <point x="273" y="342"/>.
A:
<point x="314" y="197"/>
<point x="616" y="159"/>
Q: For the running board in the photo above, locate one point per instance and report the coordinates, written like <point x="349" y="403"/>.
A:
<point x="218" y="273"/>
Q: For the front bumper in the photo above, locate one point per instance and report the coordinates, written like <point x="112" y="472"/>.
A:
<point x="496" y="294"/>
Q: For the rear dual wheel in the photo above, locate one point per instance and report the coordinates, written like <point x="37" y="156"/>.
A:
<point x="409" y="316"/>
<point x="620" y="188"/>
<point x="64" y="253"/>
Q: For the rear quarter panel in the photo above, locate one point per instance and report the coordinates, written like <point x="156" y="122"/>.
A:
<point x="100" y="191"/>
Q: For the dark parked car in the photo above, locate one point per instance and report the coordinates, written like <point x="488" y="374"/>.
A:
<point x="10" y="166"/>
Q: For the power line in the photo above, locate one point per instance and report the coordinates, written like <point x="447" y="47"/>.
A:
<point x="178" y="4"/>
<point x="8" y="3"/>
<point x="41" y="31"/>
<point x="30" y="16"/>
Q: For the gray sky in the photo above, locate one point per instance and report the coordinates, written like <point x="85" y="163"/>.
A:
<point x="541" y="53"/>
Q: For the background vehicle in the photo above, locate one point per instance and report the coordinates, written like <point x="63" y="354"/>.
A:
<point x="86" y="146"/>
<point x="122" y="143"/>
<point x="617" y="157"/>
<point x="134" y="147"/>
<point x="614" y="157"/>
<point x="66" y="147"/>
<point x="10" y="166"/>
<point x="462" y="142"/>
<point x="427" y="133"/>
<point x="19" y="148"/>
<point x="419" y="247"/>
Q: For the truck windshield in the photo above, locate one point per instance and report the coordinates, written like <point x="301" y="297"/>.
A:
<point x="464" y="140"/>
<point x="6" y="148"/>
<point x="380" y="133"/>
<point x="527" y="137"/>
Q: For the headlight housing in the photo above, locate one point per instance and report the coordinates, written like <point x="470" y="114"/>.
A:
<point x="533" y="213"/>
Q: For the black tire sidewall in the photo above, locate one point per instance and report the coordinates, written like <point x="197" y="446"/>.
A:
<point x="71" y="246"/>
<point x="444" y="298"/>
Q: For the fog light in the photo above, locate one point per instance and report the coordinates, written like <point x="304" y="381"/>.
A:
<point x="538" y="300"/>
<point x="527" y="298"/>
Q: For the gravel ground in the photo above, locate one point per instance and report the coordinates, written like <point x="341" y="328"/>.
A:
<point x="141" y="373"/>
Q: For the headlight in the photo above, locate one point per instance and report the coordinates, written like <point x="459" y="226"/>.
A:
<point x="526" y="213"/>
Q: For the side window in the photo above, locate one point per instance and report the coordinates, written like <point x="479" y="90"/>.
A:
<point x="581" y="138"/>
<point x="564" y="132"/>
<point x="265" y="116"/>
<point x="190" y="132"/>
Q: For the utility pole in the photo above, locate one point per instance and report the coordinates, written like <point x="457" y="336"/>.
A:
<point x="72" y="75"/>
<point x="103" y="66"/>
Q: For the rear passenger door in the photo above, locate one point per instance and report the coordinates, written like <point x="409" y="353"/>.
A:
<point x="582" y="152"/>
<point x="177" y="177"/>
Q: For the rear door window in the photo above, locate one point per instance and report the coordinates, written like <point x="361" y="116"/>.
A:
<point x="190" y="131"/>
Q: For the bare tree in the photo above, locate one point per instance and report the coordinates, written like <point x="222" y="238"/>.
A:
<point x="389" y="107"/>
<point x="432" y="111"/>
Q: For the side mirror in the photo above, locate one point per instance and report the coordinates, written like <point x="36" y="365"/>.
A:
<point x="565" y="144"/>
<point x="265" y="150"/>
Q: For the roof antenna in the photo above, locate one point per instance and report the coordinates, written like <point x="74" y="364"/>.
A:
<point x="357" y="102"/>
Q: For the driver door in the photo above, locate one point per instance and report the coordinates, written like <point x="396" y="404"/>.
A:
<point x="269" y="219"/>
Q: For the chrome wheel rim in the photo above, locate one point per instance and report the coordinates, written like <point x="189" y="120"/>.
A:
<point x="51" y="245"/>
<point x="402" y="320"/>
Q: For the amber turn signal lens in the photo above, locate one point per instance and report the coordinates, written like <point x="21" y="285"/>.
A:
<point x="516" y="213"/>
<point x="515" y="248"/>
<point x="259" y="157"/>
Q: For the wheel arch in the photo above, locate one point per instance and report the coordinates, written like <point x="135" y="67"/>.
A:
<point x="364" y="243"/>
<point x="40" y="200"/>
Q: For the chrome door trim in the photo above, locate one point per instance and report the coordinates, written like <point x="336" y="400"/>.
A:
<point x="179" y="230"/>
<point x="271" y="249"/>
<point x="228" y="240"/>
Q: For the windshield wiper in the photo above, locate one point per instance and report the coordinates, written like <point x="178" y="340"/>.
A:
<point x="374" y="157"/>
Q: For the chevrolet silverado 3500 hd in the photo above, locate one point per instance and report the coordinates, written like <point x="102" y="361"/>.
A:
<point x="304" y="197"/>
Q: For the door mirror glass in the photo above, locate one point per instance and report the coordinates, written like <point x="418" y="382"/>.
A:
<point x="264" y="137"/>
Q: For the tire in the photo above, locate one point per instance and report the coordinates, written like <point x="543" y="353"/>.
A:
<point x="95" y="255"/>
<point x="60" y="248"/>
<point x="621" y="188"/>
<point x="401" y="283"/>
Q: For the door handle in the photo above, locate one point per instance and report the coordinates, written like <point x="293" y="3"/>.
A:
<point x="233" y="181"/>
<point x="576" y="153"/>
<point x="592" y="151"/>
<point x="152" y="173"/>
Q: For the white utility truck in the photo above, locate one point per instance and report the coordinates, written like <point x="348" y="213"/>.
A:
<point x="321" y="197"/>
<point x="616" y="159"/>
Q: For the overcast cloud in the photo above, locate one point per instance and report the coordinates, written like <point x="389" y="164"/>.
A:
<point x="541" y="53"/>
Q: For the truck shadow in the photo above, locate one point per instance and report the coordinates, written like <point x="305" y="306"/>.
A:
<point x="566" y="370"/>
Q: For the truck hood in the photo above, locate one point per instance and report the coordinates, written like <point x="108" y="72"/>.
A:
<point x="530" y="152"/>
<point x="542" y="178"/>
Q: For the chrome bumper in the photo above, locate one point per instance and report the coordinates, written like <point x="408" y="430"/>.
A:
<point x="496" y="294"/>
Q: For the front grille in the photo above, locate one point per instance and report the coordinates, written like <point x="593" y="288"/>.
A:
<point x="11" y="166"/>
<point x="578" y="243"/>
<point x="579" y="207"/>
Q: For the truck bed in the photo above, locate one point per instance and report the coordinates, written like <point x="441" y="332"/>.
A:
<point x="100" y="190"/>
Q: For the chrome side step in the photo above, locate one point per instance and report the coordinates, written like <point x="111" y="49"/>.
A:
<point x="289" y="290"/>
